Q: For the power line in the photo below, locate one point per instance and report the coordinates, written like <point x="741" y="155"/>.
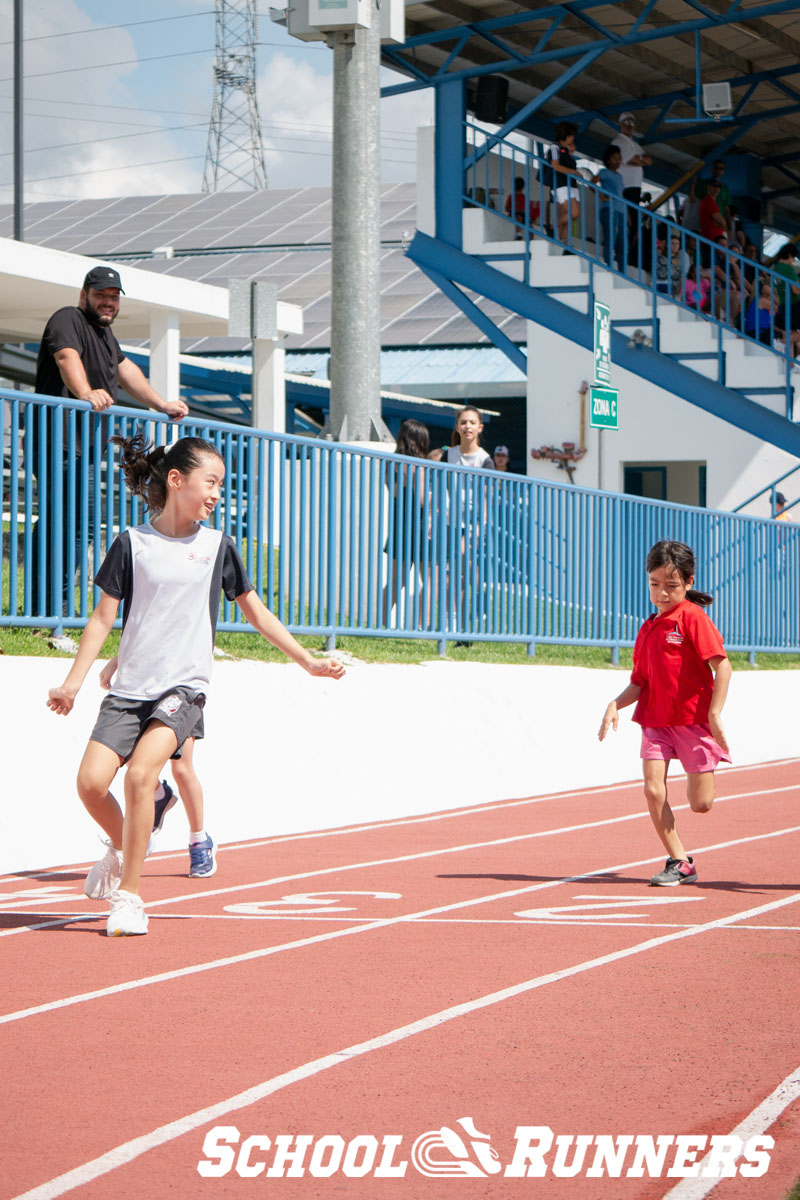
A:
<point x="43" y="37"/>
<point x="124" y="62"/>
<point x="137" y="166"/>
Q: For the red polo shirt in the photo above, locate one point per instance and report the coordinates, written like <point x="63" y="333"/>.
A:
<point x="670" y="665"/>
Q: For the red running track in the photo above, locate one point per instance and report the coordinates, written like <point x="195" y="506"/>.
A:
<point x="318" y="1017"/>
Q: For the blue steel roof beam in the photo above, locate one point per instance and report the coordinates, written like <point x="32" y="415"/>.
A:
<point x="479" y="318"/>
<point x="575" y="11"/>
<point x="535" y="305"/>
<point x="643" y="15"/>
<point x="519" y="55"/>
<point x="527" y="109"/>
<point x="555" y="24"/>
<point x="454" y="53"/>
<point x="579" y="8"/>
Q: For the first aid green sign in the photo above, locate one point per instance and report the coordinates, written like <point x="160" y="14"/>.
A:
<point x="602" y="343"/>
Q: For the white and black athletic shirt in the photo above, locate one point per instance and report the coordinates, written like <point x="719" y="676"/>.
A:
<point x="170" y="589"/>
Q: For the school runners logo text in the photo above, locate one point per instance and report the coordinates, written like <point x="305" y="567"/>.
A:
<point x="460" y="1150"/>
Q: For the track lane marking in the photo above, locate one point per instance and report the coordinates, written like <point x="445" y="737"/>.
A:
<point x="755" y="1123"/>
<point x="449" y="814"/>
<point x="367" y="927"/>
<point x="403" y="858"/>
<point x="382" y="862"/>
<point x="129" y="1151"/>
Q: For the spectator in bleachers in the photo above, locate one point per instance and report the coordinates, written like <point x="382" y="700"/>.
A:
<point x="759" y="319"/>
<point x="689" y="211"/>
<point x="671" y="266"/>
<point x="736" y="231"/>
<point x="788" y="318"/>
<point x="712" y="222"/>
<point x="749" y="271"/>
<point x="517" y="206"/>
<point x="612" y="212"/>
<point x="723" y="195"/>
<point x="697" y="289"/>
<point x="634" y="160"/>
<point x="501" y="458"/>
<point x="561" y="156"/>
<point x="726" y="282"/>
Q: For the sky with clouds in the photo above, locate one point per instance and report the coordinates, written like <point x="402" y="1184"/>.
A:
<point x="117" y="100"/>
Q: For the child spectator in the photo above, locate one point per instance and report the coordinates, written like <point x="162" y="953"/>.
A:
<point x="612" y="209"/>
<point x="561" y="157"/>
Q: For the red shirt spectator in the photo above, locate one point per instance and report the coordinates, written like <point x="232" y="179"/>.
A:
<point x="712" y="222"/>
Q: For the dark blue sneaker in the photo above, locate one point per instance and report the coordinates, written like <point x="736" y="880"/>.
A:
<point x="167" y="801"/>
<point x="203" y="857"/>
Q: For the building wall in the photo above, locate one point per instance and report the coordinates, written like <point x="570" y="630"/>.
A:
<point x="655" y="427"/>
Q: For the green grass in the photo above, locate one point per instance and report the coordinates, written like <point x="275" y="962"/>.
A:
<point x="794" y="1194"/>
<point x="22" y="642"/>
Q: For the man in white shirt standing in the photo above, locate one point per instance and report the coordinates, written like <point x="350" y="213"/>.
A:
<point x="634" y="160"/>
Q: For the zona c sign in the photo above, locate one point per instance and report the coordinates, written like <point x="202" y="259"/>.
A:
<point x="605" y="409"/>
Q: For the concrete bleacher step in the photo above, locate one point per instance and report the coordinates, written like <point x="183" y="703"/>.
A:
<point x="682" y="334"/>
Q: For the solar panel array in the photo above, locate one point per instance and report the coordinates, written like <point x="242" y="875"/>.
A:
<point x="278" y="236"/>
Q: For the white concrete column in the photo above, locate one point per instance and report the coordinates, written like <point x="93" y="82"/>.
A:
<point x="269" y="385"/>
<point x="165" y="348"/>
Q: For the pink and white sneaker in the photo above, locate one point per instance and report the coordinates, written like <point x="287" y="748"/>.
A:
<point x="676" y="871"/>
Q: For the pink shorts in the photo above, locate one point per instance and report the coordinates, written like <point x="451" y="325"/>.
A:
<point x="693" y="745"/>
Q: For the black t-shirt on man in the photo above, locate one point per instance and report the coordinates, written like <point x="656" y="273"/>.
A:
<point x="99" y="350"/>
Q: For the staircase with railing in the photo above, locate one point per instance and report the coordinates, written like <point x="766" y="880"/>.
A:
<point x="704" y="342"/>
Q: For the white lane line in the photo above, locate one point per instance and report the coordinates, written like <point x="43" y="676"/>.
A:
<point x="128" y="1151"/>
<point x="755" y="1123"/>
<point x="494" y="806"/>
<point x="367" y="927"/>
<point x="383" y="862"/>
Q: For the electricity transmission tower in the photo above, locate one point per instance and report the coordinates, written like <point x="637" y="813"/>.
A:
<point x="234" y="153"/>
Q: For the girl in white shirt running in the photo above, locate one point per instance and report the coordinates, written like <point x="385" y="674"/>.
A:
<point x="165" y="655"/>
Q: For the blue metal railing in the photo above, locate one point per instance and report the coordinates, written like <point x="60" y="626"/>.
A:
<point x="733" y="280"/>
<point x="340" y="540"/>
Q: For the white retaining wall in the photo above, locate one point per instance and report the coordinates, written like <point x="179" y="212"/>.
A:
<point x="286" y="753"/>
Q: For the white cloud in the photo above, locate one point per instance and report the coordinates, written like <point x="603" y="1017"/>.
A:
<point x="296" y="109"/>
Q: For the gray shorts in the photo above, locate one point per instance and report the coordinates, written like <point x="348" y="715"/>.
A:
<point x="121" y="721"/>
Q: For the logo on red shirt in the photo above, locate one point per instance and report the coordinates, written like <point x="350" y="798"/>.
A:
<point x="675" y="637"/>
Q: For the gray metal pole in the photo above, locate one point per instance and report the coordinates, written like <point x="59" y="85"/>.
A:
<point x="18" y="155"/>
<point x="355" y="412"/>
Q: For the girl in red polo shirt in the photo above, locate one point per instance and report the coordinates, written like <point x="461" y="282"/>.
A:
<point x="679" y="683"/>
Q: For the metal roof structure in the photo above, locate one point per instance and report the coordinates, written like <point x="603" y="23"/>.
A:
<point x="280" y="236"/>
<point x="590" y="60"/>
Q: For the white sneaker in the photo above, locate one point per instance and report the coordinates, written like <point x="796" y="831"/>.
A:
<point x="127" y="916"/>
<point x="105" y="875"/>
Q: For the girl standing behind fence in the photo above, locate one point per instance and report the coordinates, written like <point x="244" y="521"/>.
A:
<point x="170" y="572"/>
<point x="679" y="683"/>
<point x="413" y="441"/>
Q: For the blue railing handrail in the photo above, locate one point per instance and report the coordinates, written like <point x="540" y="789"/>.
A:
<point x="349" y="540"/>
<point x="534" y="169"/>
<point x="770" y="489"/>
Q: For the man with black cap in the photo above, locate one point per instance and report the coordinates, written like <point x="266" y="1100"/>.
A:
<point x="79" y="356"/>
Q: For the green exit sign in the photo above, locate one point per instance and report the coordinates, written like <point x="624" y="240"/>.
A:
<point x="604" y="408"/>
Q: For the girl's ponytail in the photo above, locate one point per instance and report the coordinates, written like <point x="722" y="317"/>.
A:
<point x="701" y="598"/>
<point x="146" y="467"/>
